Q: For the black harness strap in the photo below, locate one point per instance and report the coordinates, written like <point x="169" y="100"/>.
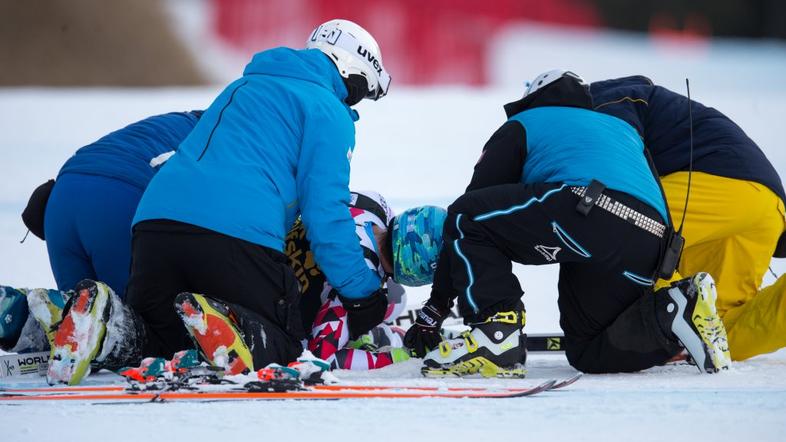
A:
<point x="591" y="195"/>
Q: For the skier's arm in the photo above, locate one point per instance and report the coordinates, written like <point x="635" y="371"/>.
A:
<point x="502" y="159"/>
<point x="323" y="193"/>
<point x="501" y="162"/>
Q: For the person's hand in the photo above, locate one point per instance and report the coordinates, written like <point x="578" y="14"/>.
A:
<point x="365" y="313"/>
<point x="424" y="334"/>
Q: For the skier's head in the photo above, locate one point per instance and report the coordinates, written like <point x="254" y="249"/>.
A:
<point x="357" y="57"/>
<point x="549" y="77"/>
<point x="556" y="87"/>
<point x="416" y="240"/>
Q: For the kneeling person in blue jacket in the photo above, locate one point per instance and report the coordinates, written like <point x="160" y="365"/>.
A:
<point x="559" y="183"/>
<point x="209" y="233"/>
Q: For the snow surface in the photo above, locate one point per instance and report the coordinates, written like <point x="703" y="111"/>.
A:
<point x="418" y="146"/>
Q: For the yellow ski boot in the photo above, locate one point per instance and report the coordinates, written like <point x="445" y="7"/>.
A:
<point x="696" y="322"/>
<point x="492" y="348"/>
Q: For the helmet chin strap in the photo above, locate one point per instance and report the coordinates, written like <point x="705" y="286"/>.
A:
<point x="357" y="89"/>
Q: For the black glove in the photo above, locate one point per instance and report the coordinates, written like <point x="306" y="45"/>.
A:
<point x="365" y="313"/>
<point x="424" y="333"/>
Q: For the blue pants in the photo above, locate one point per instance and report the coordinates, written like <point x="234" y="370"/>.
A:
<point x="87" y="225"/>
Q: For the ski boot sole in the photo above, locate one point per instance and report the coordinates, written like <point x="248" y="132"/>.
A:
<point x="213" y="331"/>
<point x="477" y="365"/>
<point x="46" y="306"/>
<point x="80" y="334"/>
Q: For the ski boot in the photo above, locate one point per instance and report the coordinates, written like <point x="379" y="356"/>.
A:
<point x="215" y="330"/>
<point x="13" y="314"/>
<point x="380" y="338"/>
<point x="46" y="306"/>
<point x="492" y="348"/>
<point x="96" y="328"/>
<point x="690" y="309"/>
<point x="80" y="334"/>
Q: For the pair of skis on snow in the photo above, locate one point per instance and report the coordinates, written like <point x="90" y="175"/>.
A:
<point x="270" y="389"/>
<point x="261" y="391"/>
<point x="21" y="364"/>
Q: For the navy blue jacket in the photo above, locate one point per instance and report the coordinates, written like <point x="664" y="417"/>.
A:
<point x="720" y="147"/>
<point x="126" y="154"/>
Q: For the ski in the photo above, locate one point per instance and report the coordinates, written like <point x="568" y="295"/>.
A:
<point x="250" y="392"/>
<point x="564" y="383"/>
<point x="13" y="365"/>
<point x="81" y="389"/>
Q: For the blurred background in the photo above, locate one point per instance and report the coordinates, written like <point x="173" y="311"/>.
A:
<point x="165" y="42"/>
<point x="73" y="70"/>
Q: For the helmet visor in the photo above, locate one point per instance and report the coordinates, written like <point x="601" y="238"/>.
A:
<point x="382" y="87"/>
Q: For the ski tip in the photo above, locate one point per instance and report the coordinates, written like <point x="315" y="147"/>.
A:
<point x="548" y="385"/>
<point x="566" y="382"/>
<point x="545" y="386"/>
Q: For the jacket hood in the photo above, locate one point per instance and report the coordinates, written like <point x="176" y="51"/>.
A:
<point x="564" y="92"/>
<point x="304" y="64"/>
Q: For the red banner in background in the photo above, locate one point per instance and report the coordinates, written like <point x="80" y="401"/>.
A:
<point x="422" y="41"/>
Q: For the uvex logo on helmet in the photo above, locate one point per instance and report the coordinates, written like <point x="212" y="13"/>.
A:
<point x="371" y="59"/>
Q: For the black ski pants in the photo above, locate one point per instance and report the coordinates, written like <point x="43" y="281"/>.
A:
<point x="607" y="269"/>
<point x="169" y="257"/>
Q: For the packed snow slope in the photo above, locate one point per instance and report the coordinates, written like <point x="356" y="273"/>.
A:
<point x="418" y="146"/>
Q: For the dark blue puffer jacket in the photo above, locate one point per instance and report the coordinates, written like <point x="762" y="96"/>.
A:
<point x="720" y="147"/>
<point x="126" y="153"/>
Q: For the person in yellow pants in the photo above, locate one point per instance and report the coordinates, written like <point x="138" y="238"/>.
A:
<point x="731" y="230"/>
<point x="735" y="218"/>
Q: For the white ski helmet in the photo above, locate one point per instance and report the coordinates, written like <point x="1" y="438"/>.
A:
<point x="549" y="77"/>
<point x="354" y="52"/>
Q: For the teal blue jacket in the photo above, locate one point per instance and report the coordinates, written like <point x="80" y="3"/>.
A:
<point x="275" y="144"/>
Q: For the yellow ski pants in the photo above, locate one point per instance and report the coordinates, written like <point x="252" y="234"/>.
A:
<point x="731" y="230"/>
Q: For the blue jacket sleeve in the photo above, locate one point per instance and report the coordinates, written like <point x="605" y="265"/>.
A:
<point x="323" y="194"/>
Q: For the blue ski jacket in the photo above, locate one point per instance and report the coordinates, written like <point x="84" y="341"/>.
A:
<point x="134" y="153"/>
<point x="275" y="144"/>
